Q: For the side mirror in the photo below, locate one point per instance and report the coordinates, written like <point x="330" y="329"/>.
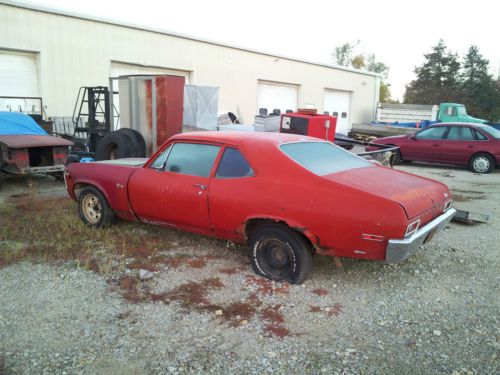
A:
<point x="412" y="136"/>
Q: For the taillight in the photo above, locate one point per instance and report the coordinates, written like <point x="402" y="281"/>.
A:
<point x="447" y="205"/>
<point x="412" y="228"/>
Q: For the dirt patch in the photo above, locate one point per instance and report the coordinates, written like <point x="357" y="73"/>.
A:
<point x="237" y="313"/>
<point x="192" y="295"/>
<point x="319" y="292"/>
<point x="265" y="286"/>
<point x="231" y="271"/>
<point x="334" y="310"/>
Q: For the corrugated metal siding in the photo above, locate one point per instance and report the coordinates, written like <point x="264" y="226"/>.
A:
<point x="75" y="52"/>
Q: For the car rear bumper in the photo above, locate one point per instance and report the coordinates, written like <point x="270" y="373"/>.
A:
<point x="399" y="250"/>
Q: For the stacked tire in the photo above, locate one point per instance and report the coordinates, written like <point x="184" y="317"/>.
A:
<point x="123" y="143"/>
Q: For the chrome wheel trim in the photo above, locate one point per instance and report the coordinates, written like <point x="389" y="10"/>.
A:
<point x="91" y="208"/>
<point x="481" y="164"/>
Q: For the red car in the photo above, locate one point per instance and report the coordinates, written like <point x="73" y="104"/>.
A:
<point x="287" y="196"/>
<point x="474" y="145"/>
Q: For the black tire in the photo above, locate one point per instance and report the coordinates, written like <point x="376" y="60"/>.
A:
<point x="278" y="253"/>
<point x="482" y="163"/>
<point x="94" y="209"/>
<point x="115" y="145"/>
<point x="137" y="139"/>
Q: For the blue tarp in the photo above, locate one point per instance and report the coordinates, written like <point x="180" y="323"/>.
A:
<point x="15" y="123"/>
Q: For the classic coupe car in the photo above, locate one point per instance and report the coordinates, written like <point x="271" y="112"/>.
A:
<point x="474" y="145"/>
<point x="287" y="196"/>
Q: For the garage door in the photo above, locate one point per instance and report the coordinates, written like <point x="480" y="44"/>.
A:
<point x="18" y="77"/>
<point x="338" y="103"/>
<point x="123" y="69"/>
<point x="277" y="96"/>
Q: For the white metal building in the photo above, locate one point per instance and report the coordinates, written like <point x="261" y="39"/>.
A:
<point x="50" y="53"/>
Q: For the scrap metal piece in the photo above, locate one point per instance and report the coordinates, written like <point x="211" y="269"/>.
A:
<point x="468" y="217"/>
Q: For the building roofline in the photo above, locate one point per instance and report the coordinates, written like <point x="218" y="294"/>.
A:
<point x="45" y="9"/>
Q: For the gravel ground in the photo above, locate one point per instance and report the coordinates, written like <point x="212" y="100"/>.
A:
<point x="437" y="313"/>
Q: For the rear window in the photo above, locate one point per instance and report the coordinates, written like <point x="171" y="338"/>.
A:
<point x="323" y="158"/>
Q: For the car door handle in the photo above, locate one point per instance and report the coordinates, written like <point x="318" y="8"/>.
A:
<point x="436" y="145"/>
<point x="470" y="146"/>
<point x="202" y="187"/>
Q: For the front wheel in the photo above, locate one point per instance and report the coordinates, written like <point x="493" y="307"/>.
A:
<point x="278" y="253"/>
<point x="93" y="208"/>
<point x="482" y="163"/>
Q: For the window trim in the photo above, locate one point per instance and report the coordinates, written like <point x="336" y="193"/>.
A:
<point x="162" y="169"/>
<point x="219" y="159"/>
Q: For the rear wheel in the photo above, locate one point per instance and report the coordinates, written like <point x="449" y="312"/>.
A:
<point x="93" y="208"/>
<point x="278" y="253"/>
<point x="482" y="163"/>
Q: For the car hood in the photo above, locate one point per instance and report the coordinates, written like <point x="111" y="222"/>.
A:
<point x="414" y="193"/>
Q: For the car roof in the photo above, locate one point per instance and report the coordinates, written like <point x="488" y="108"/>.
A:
<point x="243" y="137"/>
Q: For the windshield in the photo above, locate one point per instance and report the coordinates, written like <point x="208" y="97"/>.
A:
<point x="495" y="133"/>
<point x="323" y="158"/>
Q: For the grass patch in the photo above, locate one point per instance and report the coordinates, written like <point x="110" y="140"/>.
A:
<point x="40" y="230"/>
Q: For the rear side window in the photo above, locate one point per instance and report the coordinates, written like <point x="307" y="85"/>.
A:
<point x="480" y="135"/>
<point x="460" y="133"/>
<point x="192" y="158"/>
<point x="233" y="165"/>
<point x="432" y="133"/>
<point x="323" y="158"/>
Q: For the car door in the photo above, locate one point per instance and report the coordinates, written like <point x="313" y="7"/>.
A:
<point x="458" y="145"/>
<point x="231" y="192"/>
<point x="425" y="145"/>
<point x="173" y="189"/>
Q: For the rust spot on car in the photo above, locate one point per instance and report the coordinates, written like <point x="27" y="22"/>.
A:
<point x="320" y="292"/>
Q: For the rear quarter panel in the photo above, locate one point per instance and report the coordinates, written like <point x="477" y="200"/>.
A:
<point x="111" y="180"/>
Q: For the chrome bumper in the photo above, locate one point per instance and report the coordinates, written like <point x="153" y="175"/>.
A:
<point x="399" y="250"/>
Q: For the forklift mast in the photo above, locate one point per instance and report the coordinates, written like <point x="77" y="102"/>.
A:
<point x="91" y="115"/>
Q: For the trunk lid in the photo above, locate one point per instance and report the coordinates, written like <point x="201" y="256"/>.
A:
<point x="415" y="194"/>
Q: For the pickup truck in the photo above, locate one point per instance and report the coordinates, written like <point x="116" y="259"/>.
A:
<point x="287" y="196"/>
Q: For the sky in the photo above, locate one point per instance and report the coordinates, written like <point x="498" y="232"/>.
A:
<point x="397" y="32"/>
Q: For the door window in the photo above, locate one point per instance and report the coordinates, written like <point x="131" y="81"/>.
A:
<point x="432" y="133"/>
<point x="460" y="133"/>
<point x="233" y="165"/>
<point x="192" y="158"/>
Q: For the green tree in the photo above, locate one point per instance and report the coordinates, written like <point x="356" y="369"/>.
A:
<point x="479" y="88"/>
<point x="437" y="78"/>
<point x="344" y="56"/>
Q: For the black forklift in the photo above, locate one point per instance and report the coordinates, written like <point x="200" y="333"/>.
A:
<point x="93" y="131"/>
